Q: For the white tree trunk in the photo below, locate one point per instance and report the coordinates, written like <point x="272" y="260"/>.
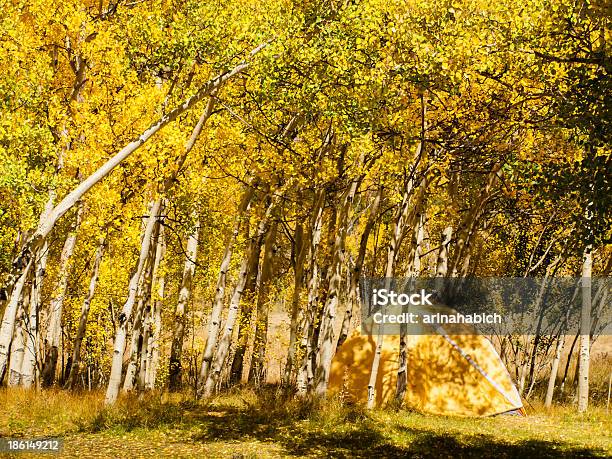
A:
<point x="585" y="331"/>
<point x="414" y="271"/>
<point x="442" y="262"/>
<point x="17" y="351"/>
<point x="181" y="307"/>
<point x="143" y="365"/>
<point x="137" y="343"/>
<point x="300" y="247"/>
<point x="262" y="308"/>
<point x="54" y="328"/>
<point x="246" y="311"/>
<point x="105" y="169"/>
<point x="327" y="340"/>
<point x="159" y="282"/>
<point x="226" y="337"/>
<point x="30" y="358"/>
<point x="149" y="353"/>
<point x="214" y="322"/>
<point x="8" y="320"/>
<point x="418" y="246"/>
<point x="552" y="379"/>
<point x="134" y="349"/>
<point x="248" y="261"/>
<point x="469" y="225"/>
<point x="114" y="381"/>
<point x="39" y="252"/>
<point x="305" y="371"/>
<point x="37" y="240"/>
<point x="30" y="363"/>
<point x="356" y="271"/>
<point x="75" y="366"/>
<point x="374" y="372"/>
<point x="396" y="236"/>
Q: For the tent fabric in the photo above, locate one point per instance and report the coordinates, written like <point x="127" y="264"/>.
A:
<point x="447" y="374"/>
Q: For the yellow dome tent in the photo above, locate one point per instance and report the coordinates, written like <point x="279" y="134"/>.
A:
<point x="447" y="374"/>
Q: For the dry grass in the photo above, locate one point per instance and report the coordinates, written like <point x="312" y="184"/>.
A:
<point x="245" y="423"/>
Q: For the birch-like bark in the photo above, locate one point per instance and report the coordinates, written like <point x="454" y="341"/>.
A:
<point x="225" y="341"/>
<point x="396" y="234"/>
<point x="397" y="230"/>
<point x="180" y="314"/>
<point x="327" y="340"/>
<point x="54" y="330"/>
<point x="552" y="379"/>
<point x="17" y="351"/>
<point x="45" y="227"/>
<point x="144" y="356"/>
<point x="374" y="371"/>
<point x="159" y="282"/>
<point x="585" y="331"/>
<point x="40" y="253"/>
<point x="246" y="311"/>
<point x="114" y="381"/>
<point x="419" y="234"/>
<point x="210" y="89"/>
<point x="206" y="90"/>
<point x="288" y="132"/>
<point x="75" y="367"/>
<point x="417" y="220"/>
<point x="356" y="271"/>
<point x="262" y="309"/>
<point x="29" y="365"/>
<point x="568" y="362"/>
<point x="306" y="348"/>
<point x="214" y="322"/>
<point x="249" y="261"/>
<point x="133" y="350"/>
<point x="442" y="262"/>
<point x="392" y="249"/>
<point x="468" y="227"/>
<point x="9" y="318"/>
<point x="137" y="343"/>
<point x="300" y="248"/>
<point x="320" y="300"/>
<point x="414" y="271"/>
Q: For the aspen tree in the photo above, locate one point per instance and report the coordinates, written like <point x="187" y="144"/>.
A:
<point x="75" y="366"/>
<point x="585" y="332"/>
<point x="54" y="329"/>
<point x="214" y="321"/>
<point x="264" y="228"/>
<point x="178" y="333"/>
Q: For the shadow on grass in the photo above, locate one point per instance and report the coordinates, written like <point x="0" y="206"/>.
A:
<point x="309" y="427"/>
<point x="367" y="440"/>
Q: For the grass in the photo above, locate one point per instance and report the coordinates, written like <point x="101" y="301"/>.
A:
<point x="244" y="424"/>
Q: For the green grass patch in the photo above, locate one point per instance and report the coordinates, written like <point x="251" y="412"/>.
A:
<point x="268" y="423"/>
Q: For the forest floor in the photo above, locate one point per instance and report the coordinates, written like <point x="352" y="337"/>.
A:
<point x="265" y="425"/>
